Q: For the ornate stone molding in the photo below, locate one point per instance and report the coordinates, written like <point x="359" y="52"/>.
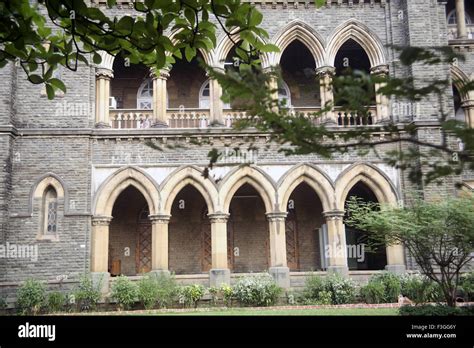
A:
<point x="382" y="69"/>
<point x="467" y="104"/>
<point x="218" y="217"/>
<point x="160" y="218"/>
<point x="162" y="74"/>
<point x="276" y="216"/>
<point x="101" y="220"/>
<point x="104" y="73"/>
<point x="334" y="214"/>
<point x="325" y="70"/>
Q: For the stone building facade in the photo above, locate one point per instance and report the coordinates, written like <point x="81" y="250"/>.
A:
<point x="80" y="183"/>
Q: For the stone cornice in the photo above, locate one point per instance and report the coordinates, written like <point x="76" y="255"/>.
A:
<point x="160" y="218"/>
<point x="276" y="216"/>
<point x="103" y="72"/>
<point x="325" y="70"/>
<point x="101" y="220"/>
<point x="334" y="214"/>
<point x="9" y="129"/>
<point x="218" y="217"/>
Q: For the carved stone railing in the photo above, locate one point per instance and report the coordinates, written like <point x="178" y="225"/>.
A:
<point x="453" y="32"/>
<point x="130" y="118"/>
<point x="353" y="119"/>
<point x="188" y="118"/>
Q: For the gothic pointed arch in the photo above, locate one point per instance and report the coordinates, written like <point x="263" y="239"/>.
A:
<point x="360" y="33"/>
<point x="112" y="187"/>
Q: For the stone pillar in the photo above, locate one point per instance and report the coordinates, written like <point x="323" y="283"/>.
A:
<point x="395" y="259"/>
<point x="381" y="101"/>
<point x="216" y="105"/>
<point x="100" y="252"/>
<point x="461" y="19"/>
<point x="160" y="98"/>
<point x="159" y="243"/>
<point x="337" y="248"/>
<point x="325" y="75"/>
<point x="468" y="107"/>
<point x="278" y="265"/>
<point x="102" y="94"/>
<point x="219" y="273"/>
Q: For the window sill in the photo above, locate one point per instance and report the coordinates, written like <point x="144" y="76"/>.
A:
<point x="48" y="238"/>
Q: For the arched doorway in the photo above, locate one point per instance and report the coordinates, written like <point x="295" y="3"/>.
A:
<point x="130" y="235"/>
<point x="189" y="233"/>
<point x="302" y="227"/>
<point x="251" y="251"/>
<point x="359" y="257"/>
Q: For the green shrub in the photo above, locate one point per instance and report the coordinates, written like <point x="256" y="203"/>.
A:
<point x="391" y="286"/>
<point x="56" y="301"/>
<point x="343" y="290"/>
<point x="227" y="293"/>
<point x="373" y="292"/>
<point x="258" y="290"/>
<point x="156" y="290"/>
<point x="3" y="303"/>
<point x="419" y="288"/>
<point x="190" y="295"/>
<point x="86" y="295"/>
<point x="314" y="285"/>
<point x="31" y="297"/>
<point x="435" y="310"/>
<point x="124" y="291"/>
<point x="214" y="292"/>
<point x="466" y="284"/>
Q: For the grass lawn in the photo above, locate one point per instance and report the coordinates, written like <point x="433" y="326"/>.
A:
<point x="274" y="312"/>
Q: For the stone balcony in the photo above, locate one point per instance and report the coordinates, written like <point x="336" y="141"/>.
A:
<point x="201" y="118"/>
<point x="453" y="32"/>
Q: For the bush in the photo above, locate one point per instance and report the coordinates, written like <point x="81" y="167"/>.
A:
<point x="227" y="293"/>
<point x="31" y="297"/>
<point x="190" y="295"/>
<point x="391" y="286"/>
<point x="342" y="290"/>
<point x="86" y="295"/>
<point x="153" y="290"/>
<point x="466" y="284"/>
<point x="124" y="291"/>
<point x="258" y="290"/>
<point x="435" y="310"/>
<point x="3" y="303"/>
<point x="419" y="289"/>
<point x="214" y="292"/>
<point x="313" y="287"/>
<point x="56" y="301"/>
<point x="373" y="292"/>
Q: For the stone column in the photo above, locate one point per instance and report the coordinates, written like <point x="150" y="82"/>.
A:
<point x="278" y="264"/>
<point x="160" y="98"/>
<point x="395" y="259"/>
<point x="216" y="105"/>
<point x="219" y="273"/>
<point x="337" y="248"/>
<point x="273" y="86"/>
<point x="100" y="252"/>
<point x="468" y="107"/>
<point x="159" y="243"/>
<point x="102" y="94"/>
<point x="381" y="101"/>
<point x="325" y="75"/>
<point x="461" y="19"/>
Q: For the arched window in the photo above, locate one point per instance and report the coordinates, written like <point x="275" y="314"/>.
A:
<point x="452" y="20"/>
<point x="284" y="94"/>
<point x="49" y="213"/>
<point x="205" y="95"/>
<point x="145" y="95"/>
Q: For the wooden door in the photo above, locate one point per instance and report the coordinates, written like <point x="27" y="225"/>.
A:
<point x="143" y="250"/>
<point x="291" y="231"/>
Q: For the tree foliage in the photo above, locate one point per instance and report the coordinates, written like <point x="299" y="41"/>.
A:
<point x="439" y="235"/>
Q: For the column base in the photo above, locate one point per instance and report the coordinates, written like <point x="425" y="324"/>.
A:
<point x="397" y="269"/>
<point x="281" y="276"/>
<point x="342" y="270"/>
<point x="159" y="272"/>
<point x="102" y="125"/>
<point x="159" y="124"/>
<point x="219" y="276"/>
<point x="100" y="280"/>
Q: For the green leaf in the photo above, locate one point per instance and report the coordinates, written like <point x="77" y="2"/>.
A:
<point x="97" y="59"/>
<point x="256" y="18"/>
<point x="36" y="79"/>
<point x="269" y="48"/>
<point x="189" y="53"/>
<point x="50" y="91"/>
<point x="58" y="84"/>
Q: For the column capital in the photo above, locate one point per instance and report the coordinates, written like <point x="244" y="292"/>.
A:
<point x="159" y="218"/>
<point x="218" y="217"/>
<point x="104" y="73"/>
<point x="276" y="215"/>
<point x="101" y="220"/>
<point x="467" y="104"/>
<point x="381" y="69"/>
<point x="325" y="70"/>
<point x="334" y="214"/>
<point x="163" y="73"/>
